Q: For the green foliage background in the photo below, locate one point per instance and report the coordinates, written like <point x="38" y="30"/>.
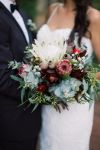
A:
<point x="30" y="6"/>
<point x="97" y="4"/>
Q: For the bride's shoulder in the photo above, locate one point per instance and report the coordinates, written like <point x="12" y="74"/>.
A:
<point x="53" y="6"/>
<point x="93" y="15"/>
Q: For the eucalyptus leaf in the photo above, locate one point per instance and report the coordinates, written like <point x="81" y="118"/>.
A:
<point x="35" y="107"/>
<point x="16" y="78"/>
<point x="22" y="94"/>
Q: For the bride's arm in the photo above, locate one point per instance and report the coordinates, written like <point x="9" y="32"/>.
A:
<point x="95" y="34"/>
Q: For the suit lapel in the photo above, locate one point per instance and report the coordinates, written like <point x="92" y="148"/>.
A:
<point x="13" y="19"/>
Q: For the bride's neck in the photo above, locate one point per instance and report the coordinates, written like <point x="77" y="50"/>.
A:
<point x="69" y="5"/>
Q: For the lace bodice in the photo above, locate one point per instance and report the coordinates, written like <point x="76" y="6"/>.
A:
<point x="46" y="34"/>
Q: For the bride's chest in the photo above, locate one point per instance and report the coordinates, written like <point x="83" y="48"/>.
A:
<point x="46" y="34"/>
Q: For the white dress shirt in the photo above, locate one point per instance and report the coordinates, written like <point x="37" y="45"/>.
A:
<point x="17" y="17"/>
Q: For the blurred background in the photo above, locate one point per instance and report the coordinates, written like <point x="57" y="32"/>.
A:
<point x="37" y="10"/>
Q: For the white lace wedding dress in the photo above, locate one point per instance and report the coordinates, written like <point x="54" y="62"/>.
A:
<point x="69" y="130"/>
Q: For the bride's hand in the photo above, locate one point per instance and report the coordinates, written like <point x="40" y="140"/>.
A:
<point x="61" y="105"/>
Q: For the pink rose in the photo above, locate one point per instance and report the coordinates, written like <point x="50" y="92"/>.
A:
<point x="23" y="70"/>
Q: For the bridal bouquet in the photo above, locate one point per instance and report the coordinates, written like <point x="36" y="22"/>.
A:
<point x="56" y="72"/>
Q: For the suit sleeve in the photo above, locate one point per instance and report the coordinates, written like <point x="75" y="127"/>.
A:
<point x="8" y="87"/>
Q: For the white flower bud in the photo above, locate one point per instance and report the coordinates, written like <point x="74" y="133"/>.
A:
<point x="79" y="58"/>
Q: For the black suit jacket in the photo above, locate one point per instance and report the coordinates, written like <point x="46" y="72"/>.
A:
<point x="15" y="122"/>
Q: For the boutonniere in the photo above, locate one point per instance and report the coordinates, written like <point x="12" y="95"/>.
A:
<point x="31" y="25"/>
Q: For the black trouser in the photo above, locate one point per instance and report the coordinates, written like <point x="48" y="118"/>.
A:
<point x="29" y="144"/>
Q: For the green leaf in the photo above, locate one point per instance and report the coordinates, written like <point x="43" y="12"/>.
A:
<point x="35" y="107"/>
<point x="98" y="84"/>
<point x="14" y="64"/>
<point x="16" y="78"/>
<point x="22" y="95"/>
<point x="21" y="104"/>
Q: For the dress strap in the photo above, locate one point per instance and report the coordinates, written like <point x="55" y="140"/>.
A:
<point x="53" y="13"/>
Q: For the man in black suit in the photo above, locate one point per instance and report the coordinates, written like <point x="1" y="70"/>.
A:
<point x="19" y="128"/>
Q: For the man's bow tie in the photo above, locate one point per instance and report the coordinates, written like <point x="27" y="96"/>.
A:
<point x="13" y="7"/>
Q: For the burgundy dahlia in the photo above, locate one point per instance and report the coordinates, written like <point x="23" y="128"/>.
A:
<point x="83" y="53"/>
<point x="78" y="74"/>
<point x="42" y="87"/>
<point x="64" y="67"/>
<point x="53" y="78"/>
<point x="50" y="75"/>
